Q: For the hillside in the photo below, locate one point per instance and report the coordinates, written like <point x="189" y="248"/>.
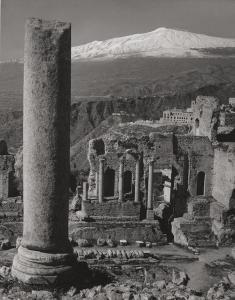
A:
<point x="143" y="86"/>
<point x="161" y="84"/>
<point x="130" y="77"/>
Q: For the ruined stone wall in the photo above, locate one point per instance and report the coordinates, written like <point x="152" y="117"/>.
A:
<point x="160" y="149"/>
<point x="206" y="112"/>
<point x="131" y="231"/>
<point x="6" y="166"/>
<point x="224" y="176"/>
<point x="112" y="209"/>
<point x="200" y="159"/>
<point x="154" y="146"/>
<point x="230" y="119"/>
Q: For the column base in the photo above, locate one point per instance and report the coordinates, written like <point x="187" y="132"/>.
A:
<point x="150" y="214"/>
<point x="34" y="267"/>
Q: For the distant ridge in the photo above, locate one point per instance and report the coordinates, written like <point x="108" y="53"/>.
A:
<point x="162" y="42"/>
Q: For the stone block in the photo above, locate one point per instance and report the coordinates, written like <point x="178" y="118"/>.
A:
<point x="112" y="209"/>
<point x="123" y="242"/>
<point x="117" y="230"/>
<point x="233" y="253"/>
<point x="218" y="212"/>
<point x="199" y="207"/>
<point x="140" y="243"/>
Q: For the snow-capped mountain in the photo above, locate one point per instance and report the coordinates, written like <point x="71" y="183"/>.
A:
<point x="162" y="42"/>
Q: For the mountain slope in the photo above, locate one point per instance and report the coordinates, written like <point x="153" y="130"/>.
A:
<point x="162" y="42"/>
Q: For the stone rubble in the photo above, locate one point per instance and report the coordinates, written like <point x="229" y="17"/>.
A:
<point x="110" y="253"/>
<point x="176" y="289"/>
<point x="5" y="244"/>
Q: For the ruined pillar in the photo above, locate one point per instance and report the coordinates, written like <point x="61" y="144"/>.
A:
<point x="96" y="184"/>
<point x="84" y="191"/>
<point x="120" y="181"/>
<point x="137" y="181"/>
<point x="150" y="191"/>
<point x="101" y="179"/>
<point x="45" y="255"/>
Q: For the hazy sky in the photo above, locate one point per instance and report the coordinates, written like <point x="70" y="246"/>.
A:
<point x="102" y="19"/>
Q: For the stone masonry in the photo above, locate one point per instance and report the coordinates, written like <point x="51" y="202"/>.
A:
<point x="45" y="255"/>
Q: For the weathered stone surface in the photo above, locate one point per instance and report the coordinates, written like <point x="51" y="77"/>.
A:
<point x="160" y="284"/>
<point x="223" y="180"/>
<point x="43" y="295"/>
<point x="45" y="253"/>
<point x="5" y="244"/>
<point x="76" y="203"/>
<point x="5" y="271"/>
<point x="82" y="243"/>
<point x="111" y="243"/>
<point x="117" y="230"/>
<point x="180" y="278"/>
<point x="231" y="277"/>
<point x="101" y="242"/>
<point x="233" y="252"/>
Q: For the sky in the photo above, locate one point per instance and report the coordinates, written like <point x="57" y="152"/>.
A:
<point x="103" y="19"/>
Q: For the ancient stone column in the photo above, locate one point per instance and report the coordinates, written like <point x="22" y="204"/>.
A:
<point x="150" y="192"/>
<point x="45" y="255"/>
<point x="150" y="185"/>
<point x="120" y="181"/>
<point x="84" y="191"/>
<point x="101" y="179"/>
<point x="96" y="184"/>
<point x="7" y="162"/>
<point x="137" y="180"/>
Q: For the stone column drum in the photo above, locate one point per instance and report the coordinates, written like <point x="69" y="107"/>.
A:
<point x="101" y="179"/>
<point x="45" y="255"/>
<point x="150" y="185"/>
<point x="150" y="215"/>
<point x="120" y="181"/>
<point x="137" y="181"/>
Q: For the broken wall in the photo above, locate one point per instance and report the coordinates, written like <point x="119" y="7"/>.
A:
<point x="224" y="175"/>
<point x="206" y="116"/>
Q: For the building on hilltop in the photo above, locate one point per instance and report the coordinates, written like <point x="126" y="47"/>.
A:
<point x="177" y="117"/>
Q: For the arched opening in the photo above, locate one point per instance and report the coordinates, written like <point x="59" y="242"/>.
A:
<point x="197" y="127"/>
<point x="127" y="187"/>
<point x="3" y="148"/>
<point x="200" y="183"/>
<point x="109" y="181"/>
<point x="99" y="147"/>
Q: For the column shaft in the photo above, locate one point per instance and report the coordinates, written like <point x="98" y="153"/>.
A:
<point x="150" y="185"/>
<point x="120" y="181"/>
<point x="45" y="249"/>
<point x="84" y="191"/>
<point x="101" y="179"/>
<point x="96" y="184"/>
<point x="137" y="180"/>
